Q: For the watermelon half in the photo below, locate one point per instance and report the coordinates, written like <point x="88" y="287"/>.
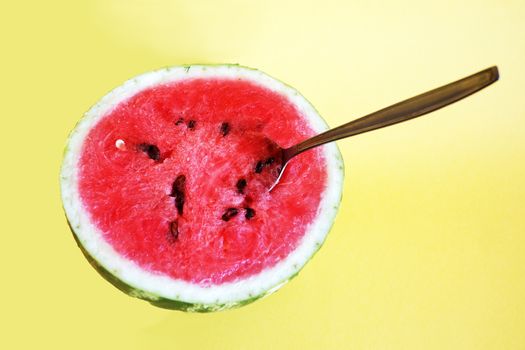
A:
<point x="165" y="186"/>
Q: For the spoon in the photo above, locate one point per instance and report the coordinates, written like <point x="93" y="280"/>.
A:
<point x="399" y="112"/>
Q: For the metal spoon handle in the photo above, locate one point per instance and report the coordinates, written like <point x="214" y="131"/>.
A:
<point x="405" y="110"/>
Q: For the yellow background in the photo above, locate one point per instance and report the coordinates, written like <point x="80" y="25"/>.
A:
<point x="428" y="250"/>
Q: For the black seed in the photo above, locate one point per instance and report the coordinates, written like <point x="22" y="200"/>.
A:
<point x="179" y="121"/>
<point x="259" y="167"/>
<point x="250" y="213"/>
<point x="225" y="129"/>
<point x="174" y="229"/>
<point x="179" y="203"/>
<point x="191" y="124"/>
<point x="178" y="185"/>
<point x="241" y="185"/>
<point x="152" y="151"/>
<point x="269" y="161"/>
<point x="230" y="213"/>
<point x="178" y="189"/>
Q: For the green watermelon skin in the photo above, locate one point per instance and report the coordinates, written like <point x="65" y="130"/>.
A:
<point x="174" y="303"/>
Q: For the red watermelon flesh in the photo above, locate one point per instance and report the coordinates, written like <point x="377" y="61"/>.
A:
<point x="176" y="178"/>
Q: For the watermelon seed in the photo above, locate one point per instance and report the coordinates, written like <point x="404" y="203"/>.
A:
<point x="260" y="164"/>
<point x="191" y="124"/>
<point x="179" y="121"/>
<point x="174" y="229"/>
<point x="177" y="191"/>
<point x="120" y="144"/>
<point x="250" y="213"/>
<point x="241" y="185"/>
<point x="229" y="213"/>
<point x="225" y="129"/>
<point x="178" y="185"/>
<point x="152" y="151"/>
<point x="259" y="167"/>
<point x="179" y="203"/>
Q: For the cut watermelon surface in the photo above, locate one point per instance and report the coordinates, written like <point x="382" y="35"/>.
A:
<point x="165" y="186"/>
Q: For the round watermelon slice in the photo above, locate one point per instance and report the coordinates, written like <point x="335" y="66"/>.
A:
<point x="165" y="186"/>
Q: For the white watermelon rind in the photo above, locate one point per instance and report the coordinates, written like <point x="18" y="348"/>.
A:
<point x="164" y="291"/>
